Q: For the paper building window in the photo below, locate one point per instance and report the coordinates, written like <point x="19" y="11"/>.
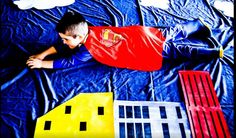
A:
<point x="137" y="112"/>
<point x="134" y="112"/>
<point x="165" y="128"/>
<point x="68" y="110"/>
<point x="100" y="110"/>
<point x="178" y="112"/>
<point x="83" y="126"/>
<point x="121" y="112"/>
<point x="130" y="130"/>
<point x="129" y="112"/>
<point x="122" y="130"/>
<point x="145" y="112"/>
<point x="181" y="126"/>
<point x="139" y="130"/>
<point x="163" y="112"/>
<point x="147" y="130"/>
<point x="47" y="125"/>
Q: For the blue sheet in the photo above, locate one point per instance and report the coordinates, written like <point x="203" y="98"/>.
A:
<point x="28" y="94"/>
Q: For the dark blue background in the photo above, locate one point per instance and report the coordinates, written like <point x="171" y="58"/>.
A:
<point x="27" y="94"/>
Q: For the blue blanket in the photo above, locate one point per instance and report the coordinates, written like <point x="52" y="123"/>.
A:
<point x="28" y="94"/>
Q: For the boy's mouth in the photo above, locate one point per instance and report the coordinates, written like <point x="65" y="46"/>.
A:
<point x="71" y="47"/>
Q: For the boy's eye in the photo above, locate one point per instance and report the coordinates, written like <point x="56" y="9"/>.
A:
<point x="74" y="36"/>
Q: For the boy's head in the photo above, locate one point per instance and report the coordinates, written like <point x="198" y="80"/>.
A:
<point x="73" y="29"/>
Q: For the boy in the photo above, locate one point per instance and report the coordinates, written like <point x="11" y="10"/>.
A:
<point x="132" y="47"/>
<point x="72" y="30"/>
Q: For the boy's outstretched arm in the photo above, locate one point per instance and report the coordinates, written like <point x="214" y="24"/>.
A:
<point x="36" y="61"/>
<point x="45" y="53"/>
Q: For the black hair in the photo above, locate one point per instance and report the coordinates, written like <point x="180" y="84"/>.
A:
<point x="69" y="19"/>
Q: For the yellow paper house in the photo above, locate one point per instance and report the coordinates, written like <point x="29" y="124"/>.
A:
<point x="86" y="115"/>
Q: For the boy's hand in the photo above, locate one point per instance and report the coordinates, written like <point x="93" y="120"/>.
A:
<point x="34" y="62"/>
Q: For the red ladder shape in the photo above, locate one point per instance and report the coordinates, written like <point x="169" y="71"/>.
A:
<point x="204" y="112"/>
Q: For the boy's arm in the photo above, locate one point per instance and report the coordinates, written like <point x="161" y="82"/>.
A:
<point x="72" y="60"/>
<point x="47" y="64"/>
<point x="37" y="63"/>
<point x="49" y="51"/>
<point x="77" y="58"/>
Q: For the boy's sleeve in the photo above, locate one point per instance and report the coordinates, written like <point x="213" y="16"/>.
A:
<point x="76" y="58"/>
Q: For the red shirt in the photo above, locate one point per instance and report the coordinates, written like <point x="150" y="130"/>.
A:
<point x="132" y="47"/>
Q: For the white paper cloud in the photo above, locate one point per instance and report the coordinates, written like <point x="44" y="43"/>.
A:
<point x="162" y="4"/>
<point x="42" y="4"/>
<point x="226" y="7"/>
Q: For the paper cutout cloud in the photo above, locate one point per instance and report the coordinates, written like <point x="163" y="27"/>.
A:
<point x="162" y="4"/>
<point x="42" y="4"/>
<point x="226" y="7"/>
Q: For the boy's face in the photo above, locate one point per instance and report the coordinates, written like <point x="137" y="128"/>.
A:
<point x="71" y="41"/>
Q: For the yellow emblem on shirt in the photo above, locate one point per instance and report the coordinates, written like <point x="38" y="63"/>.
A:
<point x="109" y="38"/>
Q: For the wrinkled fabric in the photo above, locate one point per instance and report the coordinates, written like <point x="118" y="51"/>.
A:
<point x="28" y="94"/>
